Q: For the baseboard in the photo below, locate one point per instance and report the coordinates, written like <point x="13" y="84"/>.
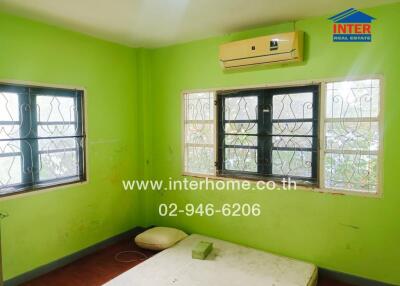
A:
<point x="25" y="277"/>
<point x="350" y="279"/>
<point x="70" y="258"/>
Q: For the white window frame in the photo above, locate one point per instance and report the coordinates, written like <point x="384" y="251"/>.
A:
<point x="379" y="152"/>
<point x="322" y="119"/>
<point x="184" y="144"/>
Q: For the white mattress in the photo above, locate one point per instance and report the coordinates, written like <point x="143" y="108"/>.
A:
<point x="228" y="264"/>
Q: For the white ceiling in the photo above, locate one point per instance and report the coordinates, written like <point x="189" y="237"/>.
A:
<point x="154" y="23"/>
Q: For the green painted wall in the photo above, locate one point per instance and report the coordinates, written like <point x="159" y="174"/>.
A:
<point x="352" y="234"/>
<point x="134" y="131"/>
<point x="48" y="225"/>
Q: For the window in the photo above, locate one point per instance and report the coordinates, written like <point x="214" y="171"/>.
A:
<point x="352" y="135"/>
<point x="42" y="139"/>
<point x="199" y="133"/>
<point x="269" y="133"/>
<point x="330" y="141"/>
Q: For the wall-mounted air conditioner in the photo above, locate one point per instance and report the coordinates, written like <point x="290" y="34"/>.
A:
<point x="279" y="48"/>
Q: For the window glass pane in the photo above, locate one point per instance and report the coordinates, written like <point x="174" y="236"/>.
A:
<point x="293" y="106"/>
<point x="57" y="144"/>
<point x="292" y="128"/>
<point x="56" y="130"/>
<point x="55" y="108"/>
<point x="240" y="159"/>
<point x="58" y="158"/>
<point x="199" y="106"/>
<point x="9" y="113"/>
<point x="292" y="163"/>
<point x="351" y="172"/>
<point x="10" y="171"/>
<point x="241" y="108"/>
<point x="9" y="110"/>
<point x="7" y="147"/>
<point x="242" y="140"/>
<point x="293" y="159"/>
<point x="241" y="128"/>
<point x="198" y="133"/>
<point x="9" y="131"/>
<point x="57" y="165"/>
<point x="352" y="136"/>
<point x="10" y="159"/>
<point x="352" y="99"/>
<point x="292" y="142"/>
<point x="199" y="160"/>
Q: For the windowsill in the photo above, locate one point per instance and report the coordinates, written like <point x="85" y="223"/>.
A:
<point x="301" y="187"/>
<point x="41" y="189"/>
<point x="299" y="181"/>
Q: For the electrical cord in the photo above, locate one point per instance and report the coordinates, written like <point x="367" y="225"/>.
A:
<point x="117" y="257"/>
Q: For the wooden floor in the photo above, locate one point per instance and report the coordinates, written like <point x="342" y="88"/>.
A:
<point x="100" y="267"/>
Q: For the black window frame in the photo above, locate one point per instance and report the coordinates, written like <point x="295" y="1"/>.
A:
<point x="27" y="95"/>
<point x="264" y="134"/>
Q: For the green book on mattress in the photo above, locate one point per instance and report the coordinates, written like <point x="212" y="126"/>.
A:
<point x="201" y="250"/>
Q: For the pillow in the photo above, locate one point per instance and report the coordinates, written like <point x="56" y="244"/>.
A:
<point x="159" y="238"/>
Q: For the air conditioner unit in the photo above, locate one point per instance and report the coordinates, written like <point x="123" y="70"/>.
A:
<point x="279" y="48"/>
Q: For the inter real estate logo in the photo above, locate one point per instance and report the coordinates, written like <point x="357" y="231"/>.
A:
<point x="352" y="26"/>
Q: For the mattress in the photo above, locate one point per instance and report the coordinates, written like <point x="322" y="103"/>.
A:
<point x="228" y="264"/>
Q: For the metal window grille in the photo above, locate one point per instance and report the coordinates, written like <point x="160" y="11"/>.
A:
<point x="42" y="138"/>
<point x="352" y="135"/>
<point x="269" y="133"/>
